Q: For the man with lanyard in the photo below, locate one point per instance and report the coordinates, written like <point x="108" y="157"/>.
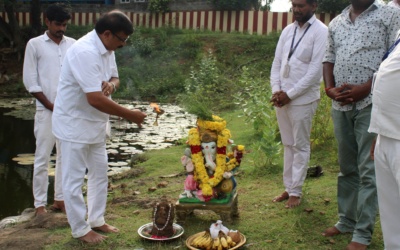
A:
<point x="358" y="39"/>
<point x="42" y="65"/>
<point x="295" y="80"/>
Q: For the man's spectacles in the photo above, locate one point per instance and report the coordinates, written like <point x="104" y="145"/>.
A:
<point x="119" y="38"/>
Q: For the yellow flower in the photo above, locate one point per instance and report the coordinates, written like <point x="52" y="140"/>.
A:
<point x="240" y="147"/>
<point x="217" y="124"/>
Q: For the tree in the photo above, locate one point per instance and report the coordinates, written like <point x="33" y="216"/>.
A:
<point x="330" y="6"/>
<point x="36" y="21"/>
<point x="237" y="4"/>
<point x="11" y="30"/>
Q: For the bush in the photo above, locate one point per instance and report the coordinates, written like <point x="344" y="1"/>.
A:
<point x="254" y="100"/>
<point x="158" y="6"/>
<point x="206" y="91"/>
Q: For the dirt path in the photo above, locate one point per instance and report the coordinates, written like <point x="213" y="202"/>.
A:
<point x="33" y="234"/>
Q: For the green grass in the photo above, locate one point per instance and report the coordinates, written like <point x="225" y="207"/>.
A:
<point x="266" y="225"/>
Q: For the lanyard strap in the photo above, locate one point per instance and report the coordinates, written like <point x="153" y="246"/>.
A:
<point x="390" y="50"/>
<point x="295" y="47"/>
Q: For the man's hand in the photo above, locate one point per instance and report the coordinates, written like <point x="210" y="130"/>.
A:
<point x="107" y="88"/>
<point x="334" y="92"/>
<point x="136" y="116"/>
<point x="352" y="93"/>
<point x="284" y="98"/>
<point x="275" y="99"/>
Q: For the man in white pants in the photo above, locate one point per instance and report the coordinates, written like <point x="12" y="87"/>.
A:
<point x="80" y="118"/>
<point x="42" y="65"/>
<point x="385" y="121"/>
<point x="295" y="80"/>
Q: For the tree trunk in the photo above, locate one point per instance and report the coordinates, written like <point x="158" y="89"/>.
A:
<point x="36" y="22"/>
<point x="15" y="40"/>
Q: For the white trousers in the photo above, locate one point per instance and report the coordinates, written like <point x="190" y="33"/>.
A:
<point x="76" y="158"/>
<point x="387" y="171"/>
<point x="45" y="141"/>
<point x="295" y="128"/>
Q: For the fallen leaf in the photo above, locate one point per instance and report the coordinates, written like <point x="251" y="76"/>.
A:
<point x="162" y="184"/>
<point x="308" y="210"/>
<point x="152" y="189"/>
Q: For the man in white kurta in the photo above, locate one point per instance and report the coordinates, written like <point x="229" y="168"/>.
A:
<point x="81" y="113"/>
<point x="42" y="65"/>
<point x="385" y="121"/>
<point x="295" y="80"/>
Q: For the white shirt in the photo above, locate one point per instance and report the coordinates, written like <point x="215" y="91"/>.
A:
<point x="86" y="64"/>
<point x="385" y="114"/>
<point x="303" y="84"/>
<point x="42" y="65"/>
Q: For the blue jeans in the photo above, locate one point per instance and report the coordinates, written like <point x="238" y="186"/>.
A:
<point x="356" y="194"/>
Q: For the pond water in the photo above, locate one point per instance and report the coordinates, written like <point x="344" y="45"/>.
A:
<point x="17" y="140"/>
<point x="16" y="137"/>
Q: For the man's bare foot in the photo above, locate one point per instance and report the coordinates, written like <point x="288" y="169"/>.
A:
<point x="40" y="211"/>
<point x="356" y="246"/>
<point x="106" y="229"/>
<point x="293" y="201"/>
<point x="58" y="206"/>
<point x="93" y="237"/>
<point x="332" y="231"/>
<point x="282" y="197"/>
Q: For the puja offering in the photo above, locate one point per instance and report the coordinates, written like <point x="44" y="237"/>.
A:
<point x="216" y="237"/>
<point x="163" y="218"/>
<point x="162" y="227"/>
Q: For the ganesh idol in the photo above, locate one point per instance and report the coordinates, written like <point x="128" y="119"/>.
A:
<point x="210" y="163"/>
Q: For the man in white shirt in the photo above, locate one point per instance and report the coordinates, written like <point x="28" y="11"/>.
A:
<point x="295" y="80"/>
<point x="80" y="118"/>
<point x="385" y="121"/>
<point x="42" y="65"/>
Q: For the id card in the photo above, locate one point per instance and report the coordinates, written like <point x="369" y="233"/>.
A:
<point x="286" y="71"/>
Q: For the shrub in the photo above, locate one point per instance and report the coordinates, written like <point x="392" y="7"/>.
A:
<point x="254" y="100"/>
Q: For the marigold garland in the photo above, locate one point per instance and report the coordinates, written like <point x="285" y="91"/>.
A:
<point x="201" y="176"/>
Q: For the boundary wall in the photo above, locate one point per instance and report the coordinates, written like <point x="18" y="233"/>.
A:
<point x="251" y="22"/>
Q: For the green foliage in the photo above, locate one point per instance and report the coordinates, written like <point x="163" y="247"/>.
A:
<point x="254" y="100"/>
<point x="143" y="46"/>
<point x="236" y="4"/>
<point x="330" y="6"/>
<point x="158" y="6"/>
<point x="322" y="127"/>
<point x="203" y="91"/>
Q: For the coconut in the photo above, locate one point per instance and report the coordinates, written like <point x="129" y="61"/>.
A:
<point x="235" y="235"/>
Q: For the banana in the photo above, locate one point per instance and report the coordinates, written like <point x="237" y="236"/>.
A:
<point x="216" y="243"/>
<point x="208" y="242"/>
<point x="230" y="242"/>
<point x="196" y="241"/>
<point x="202" y="242"/>
<point x="224" y="243"/>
